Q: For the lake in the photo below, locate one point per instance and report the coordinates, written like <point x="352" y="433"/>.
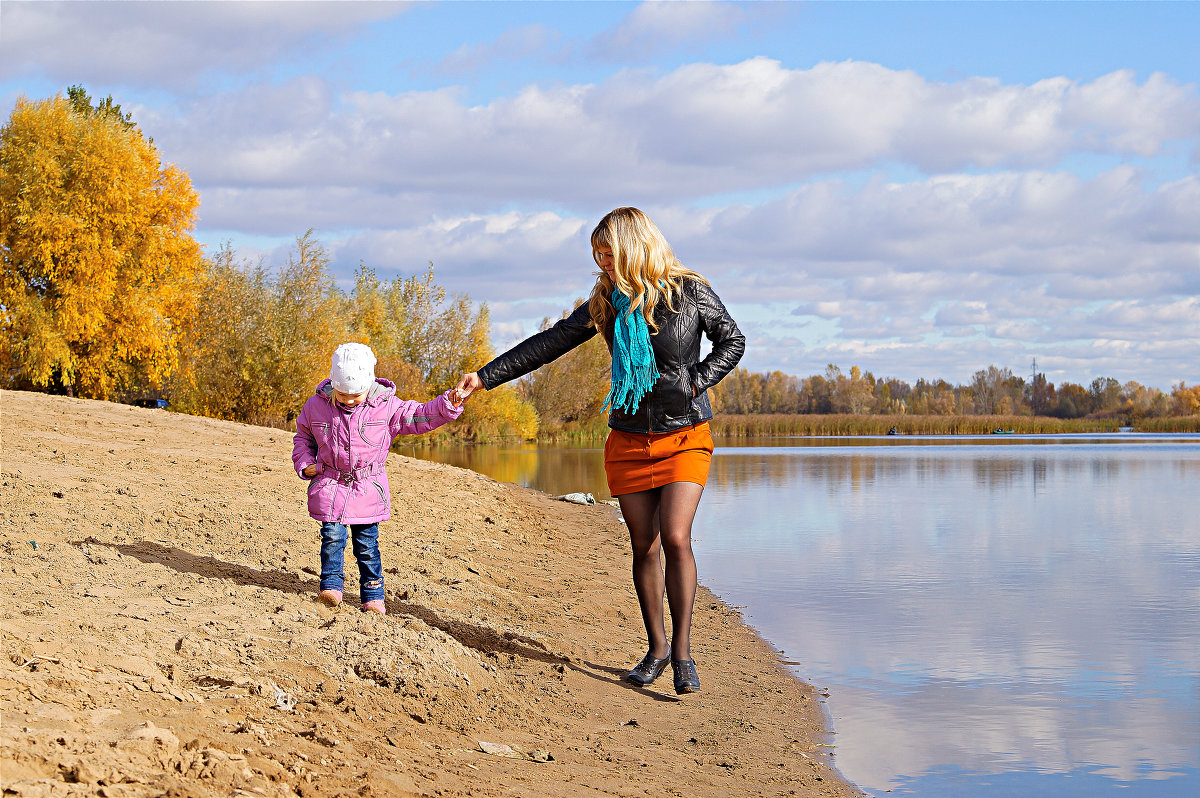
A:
<point x="992" y="616"/>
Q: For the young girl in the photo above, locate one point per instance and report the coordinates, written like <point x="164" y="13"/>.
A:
<point x="652" y="312"/>
<point x="342" y="440"/>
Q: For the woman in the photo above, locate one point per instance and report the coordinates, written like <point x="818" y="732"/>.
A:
<point x="651" y="311"/>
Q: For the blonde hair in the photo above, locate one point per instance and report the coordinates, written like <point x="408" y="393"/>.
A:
<point x="647" y="270"/>
<point x="330" y="394"/>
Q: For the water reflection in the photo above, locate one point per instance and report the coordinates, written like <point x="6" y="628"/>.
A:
<point x="553" y="470"/>
<point x="994" y="617"/>
<point x="978" y="610"/>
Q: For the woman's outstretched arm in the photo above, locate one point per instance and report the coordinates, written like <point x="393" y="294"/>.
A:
<point x="536" y="350"/>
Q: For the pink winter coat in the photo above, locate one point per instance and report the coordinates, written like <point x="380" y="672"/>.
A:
<point x="350" y="446"/>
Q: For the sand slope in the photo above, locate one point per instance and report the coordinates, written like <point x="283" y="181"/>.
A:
<point x="162" y="639"/>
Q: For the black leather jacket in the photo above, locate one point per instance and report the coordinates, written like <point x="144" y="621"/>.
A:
<point x="671" y="404"/>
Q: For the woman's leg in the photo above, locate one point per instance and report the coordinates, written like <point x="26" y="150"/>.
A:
<point x="641" y="516"/>
<point x="676" y="510"/>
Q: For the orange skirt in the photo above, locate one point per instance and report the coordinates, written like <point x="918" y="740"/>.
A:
<point x="636" y="461"/>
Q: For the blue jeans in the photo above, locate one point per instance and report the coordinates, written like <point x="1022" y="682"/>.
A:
<point x="365" y="539"/>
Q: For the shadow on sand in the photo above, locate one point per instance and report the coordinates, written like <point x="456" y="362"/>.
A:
<point x="481" y="638"/>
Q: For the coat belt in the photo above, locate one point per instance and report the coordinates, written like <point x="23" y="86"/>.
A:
<point x="349" y="477"/>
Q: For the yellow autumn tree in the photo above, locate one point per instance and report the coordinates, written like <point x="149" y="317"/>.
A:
<point x="262" y="341"/>
<point x="99" y="261"/>
<point x="307" y="322"/>
<point x="398" y="321"/>
<point x="379" y="320"/>
<point x="1187" y="400"/>
<point x="853" y="394"/>
<point x="500" y="412"/>
<point x="218" y="374"/>
<point x="425" y="339"/>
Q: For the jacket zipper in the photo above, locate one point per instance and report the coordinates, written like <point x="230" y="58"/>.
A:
<point x="349" y="467"/>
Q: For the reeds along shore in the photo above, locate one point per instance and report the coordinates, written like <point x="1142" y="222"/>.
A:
<point x="787" y="425"/>
<point x="754" y="426"/>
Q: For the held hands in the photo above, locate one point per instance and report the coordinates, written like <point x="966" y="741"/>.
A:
<point x="469" y="384"/>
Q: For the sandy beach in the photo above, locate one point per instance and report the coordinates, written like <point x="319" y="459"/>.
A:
<point x="163" y="637"/>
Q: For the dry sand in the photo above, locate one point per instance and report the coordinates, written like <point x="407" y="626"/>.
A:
<point x="163" y="638"/>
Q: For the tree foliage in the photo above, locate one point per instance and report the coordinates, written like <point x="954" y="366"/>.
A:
<point x="1187" y="400"/>
<point x="426" y="339"/>
<point x="262" y="341"/>
<point x="100" y="266"/>
<point x="106" y="109"/>
<point x="743" y="391"/>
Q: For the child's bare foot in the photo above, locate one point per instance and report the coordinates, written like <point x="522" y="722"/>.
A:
<point x="330" y="598"/>
<point x="374" y="606"/>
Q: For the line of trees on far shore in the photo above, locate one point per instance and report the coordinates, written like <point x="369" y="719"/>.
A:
<point x="991" y="391"/>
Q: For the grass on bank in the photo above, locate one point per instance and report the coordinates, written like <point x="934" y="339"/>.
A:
<point x="1168" y="424"/>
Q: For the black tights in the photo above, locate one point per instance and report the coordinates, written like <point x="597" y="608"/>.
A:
<point x="660" y="521"/>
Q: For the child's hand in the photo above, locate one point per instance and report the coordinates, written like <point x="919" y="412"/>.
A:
<point x="310" y="470"/>
<point x="458" y="397"/>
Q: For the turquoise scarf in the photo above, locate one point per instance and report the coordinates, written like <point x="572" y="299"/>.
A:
<point x="633" y="370"/>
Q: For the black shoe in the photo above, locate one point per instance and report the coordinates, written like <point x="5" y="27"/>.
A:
<point x="686" y="678"/>
<point x="646" y="671"/>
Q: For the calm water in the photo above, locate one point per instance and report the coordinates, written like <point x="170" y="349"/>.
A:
<point x="992" y="616"/>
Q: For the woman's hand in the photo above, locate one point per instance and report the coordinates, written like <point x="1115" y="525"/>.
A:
<point x="469" y="384"/>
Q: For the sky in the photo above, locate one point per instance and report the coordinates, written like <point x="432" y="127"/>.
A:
<point x="922" y="190"/>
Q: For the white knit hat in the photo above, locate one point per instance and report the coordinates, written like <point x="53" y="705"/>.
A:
<point x="353" y="369"/>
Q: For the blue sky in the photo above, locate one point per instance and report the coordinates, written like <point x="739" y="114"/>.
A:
<point x="919" y="189"/>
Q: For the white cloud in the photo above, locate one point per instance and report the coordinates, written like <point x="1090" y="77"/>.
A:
<point x="964" y="313"/>
<point x="954" y="271"/>
<point x="170" y="43"/>
<point x="698" y="131"/>
<point x="505" y="257"/>
<point x="657" y="25"/>
<point x="961" y="233"/>
<point x="1033" y="262"/>
<point x="761" y="116"/>
<point x="526" y="41"/>
<point x="1183" y="315"/>
<point x="1114" y="111"/>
